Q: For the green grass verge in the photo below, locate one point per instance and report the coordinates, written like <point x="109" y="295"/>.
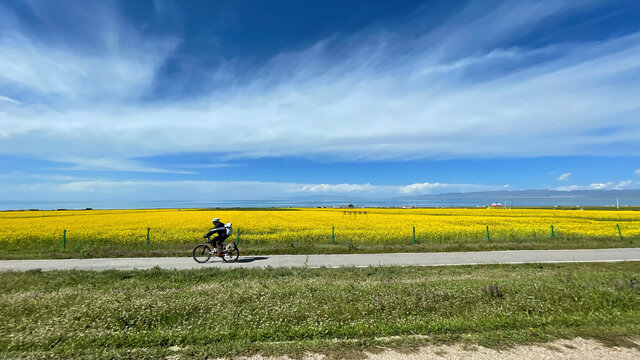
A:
<point x="86" y="249"/>
<point x="209" y="312"/>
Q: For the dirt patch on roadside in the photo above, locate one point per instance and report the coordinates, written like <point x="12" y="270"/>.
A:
<point x="578" y="349"/>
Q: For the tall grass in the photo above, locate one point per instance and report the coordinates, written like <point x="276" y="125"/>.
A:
<point x="206" y="313"/>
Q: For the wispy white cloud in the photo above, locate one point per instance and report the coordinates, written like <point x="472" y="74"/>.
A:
<point x="117" y="64"/>
<point x="111" y="164"/>
<point x="208" y="166"/>
<point x="638" y="171"/>
<point x="21" y="176"/>
<point x="624" y="184"/>
<point x="427" y="188"/>
<point x="9" y="100"/>
<point x="341" y="188"/>
<point x="564" y="177"/>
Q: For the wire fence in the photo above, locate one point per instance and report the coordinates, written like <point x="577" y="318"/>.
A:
<point x="344" y="235"/>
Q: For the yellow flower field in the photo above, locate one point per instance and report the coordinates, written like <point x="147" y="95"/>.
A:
<point x="378" y="226"/>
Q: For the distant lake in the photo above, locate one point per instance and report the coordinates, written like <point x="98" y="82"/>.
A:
<point x="443" y="202"/>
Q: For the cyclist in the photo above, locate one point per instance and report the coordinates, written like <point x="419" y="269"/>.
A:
<point x="221" y="231"/>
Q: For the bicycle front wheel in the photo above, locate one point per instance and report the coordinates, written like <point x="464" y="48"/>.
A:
<point x="231" y="253"/>
<point x="202" y="253"/>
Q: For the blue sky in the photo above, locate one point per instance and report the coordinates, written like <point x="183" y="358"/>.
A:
<point x="275" y="99"/>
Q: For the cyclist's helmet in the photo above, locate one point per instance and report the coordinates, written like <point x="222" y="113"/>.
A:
<point x="215" y="219"/>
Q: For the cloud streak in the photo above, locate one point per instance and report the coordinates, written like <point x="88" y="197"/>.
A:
<point x="109" y="164"/>
<point x="114" y="64"/>
<point x="9" y="100"/>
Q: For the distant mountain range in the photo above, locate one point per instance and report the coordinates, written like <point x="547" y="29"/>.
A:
<point x="493" y="195"/>
<point x="611" y="195"/>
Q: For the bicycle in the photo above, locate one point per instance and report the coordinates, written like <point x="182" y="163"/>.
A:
<point x="202" y="253"/>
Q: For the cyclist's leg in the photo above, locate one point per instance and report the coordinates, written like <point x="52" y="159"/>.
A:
<point x="219" y="244"/>
<point x="220" y="241"/>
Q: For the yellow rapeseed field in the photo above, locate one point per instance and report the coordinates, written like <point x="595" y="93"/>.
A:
<point x="377" y="226"/>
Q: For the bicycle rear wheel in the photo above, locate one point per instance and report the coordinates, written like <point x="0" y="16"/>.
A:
<point x="230" y="253"/>
<point x="202" y="253"/>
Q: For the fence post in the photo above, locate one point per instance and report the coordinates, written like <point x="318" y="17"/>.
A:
<point x="333" y="234"/>
<point x="553" y="234"/>
<point x="488" y="237"/>
<point x="619" y="232"/>
<point x="238" y="237"/>
<point x="148" y="229"/>
<point x="64" y="238"/>
<point x="414" y="234"/>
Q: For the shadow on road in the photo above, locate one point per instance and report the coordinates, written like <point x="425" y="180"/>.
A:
<point x="248" y="259"/>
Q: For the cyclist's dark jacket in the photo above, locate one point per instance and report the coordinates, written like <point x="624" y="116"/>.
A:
<point x="222" y="233"/>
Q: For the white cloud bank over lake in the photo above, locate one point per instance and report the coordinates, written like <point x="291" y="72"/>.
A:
<point x="224" y="190"/>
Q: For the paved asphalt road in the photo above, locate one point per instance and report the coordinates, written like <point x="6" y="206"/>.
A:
<point x="313" y="261"/>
